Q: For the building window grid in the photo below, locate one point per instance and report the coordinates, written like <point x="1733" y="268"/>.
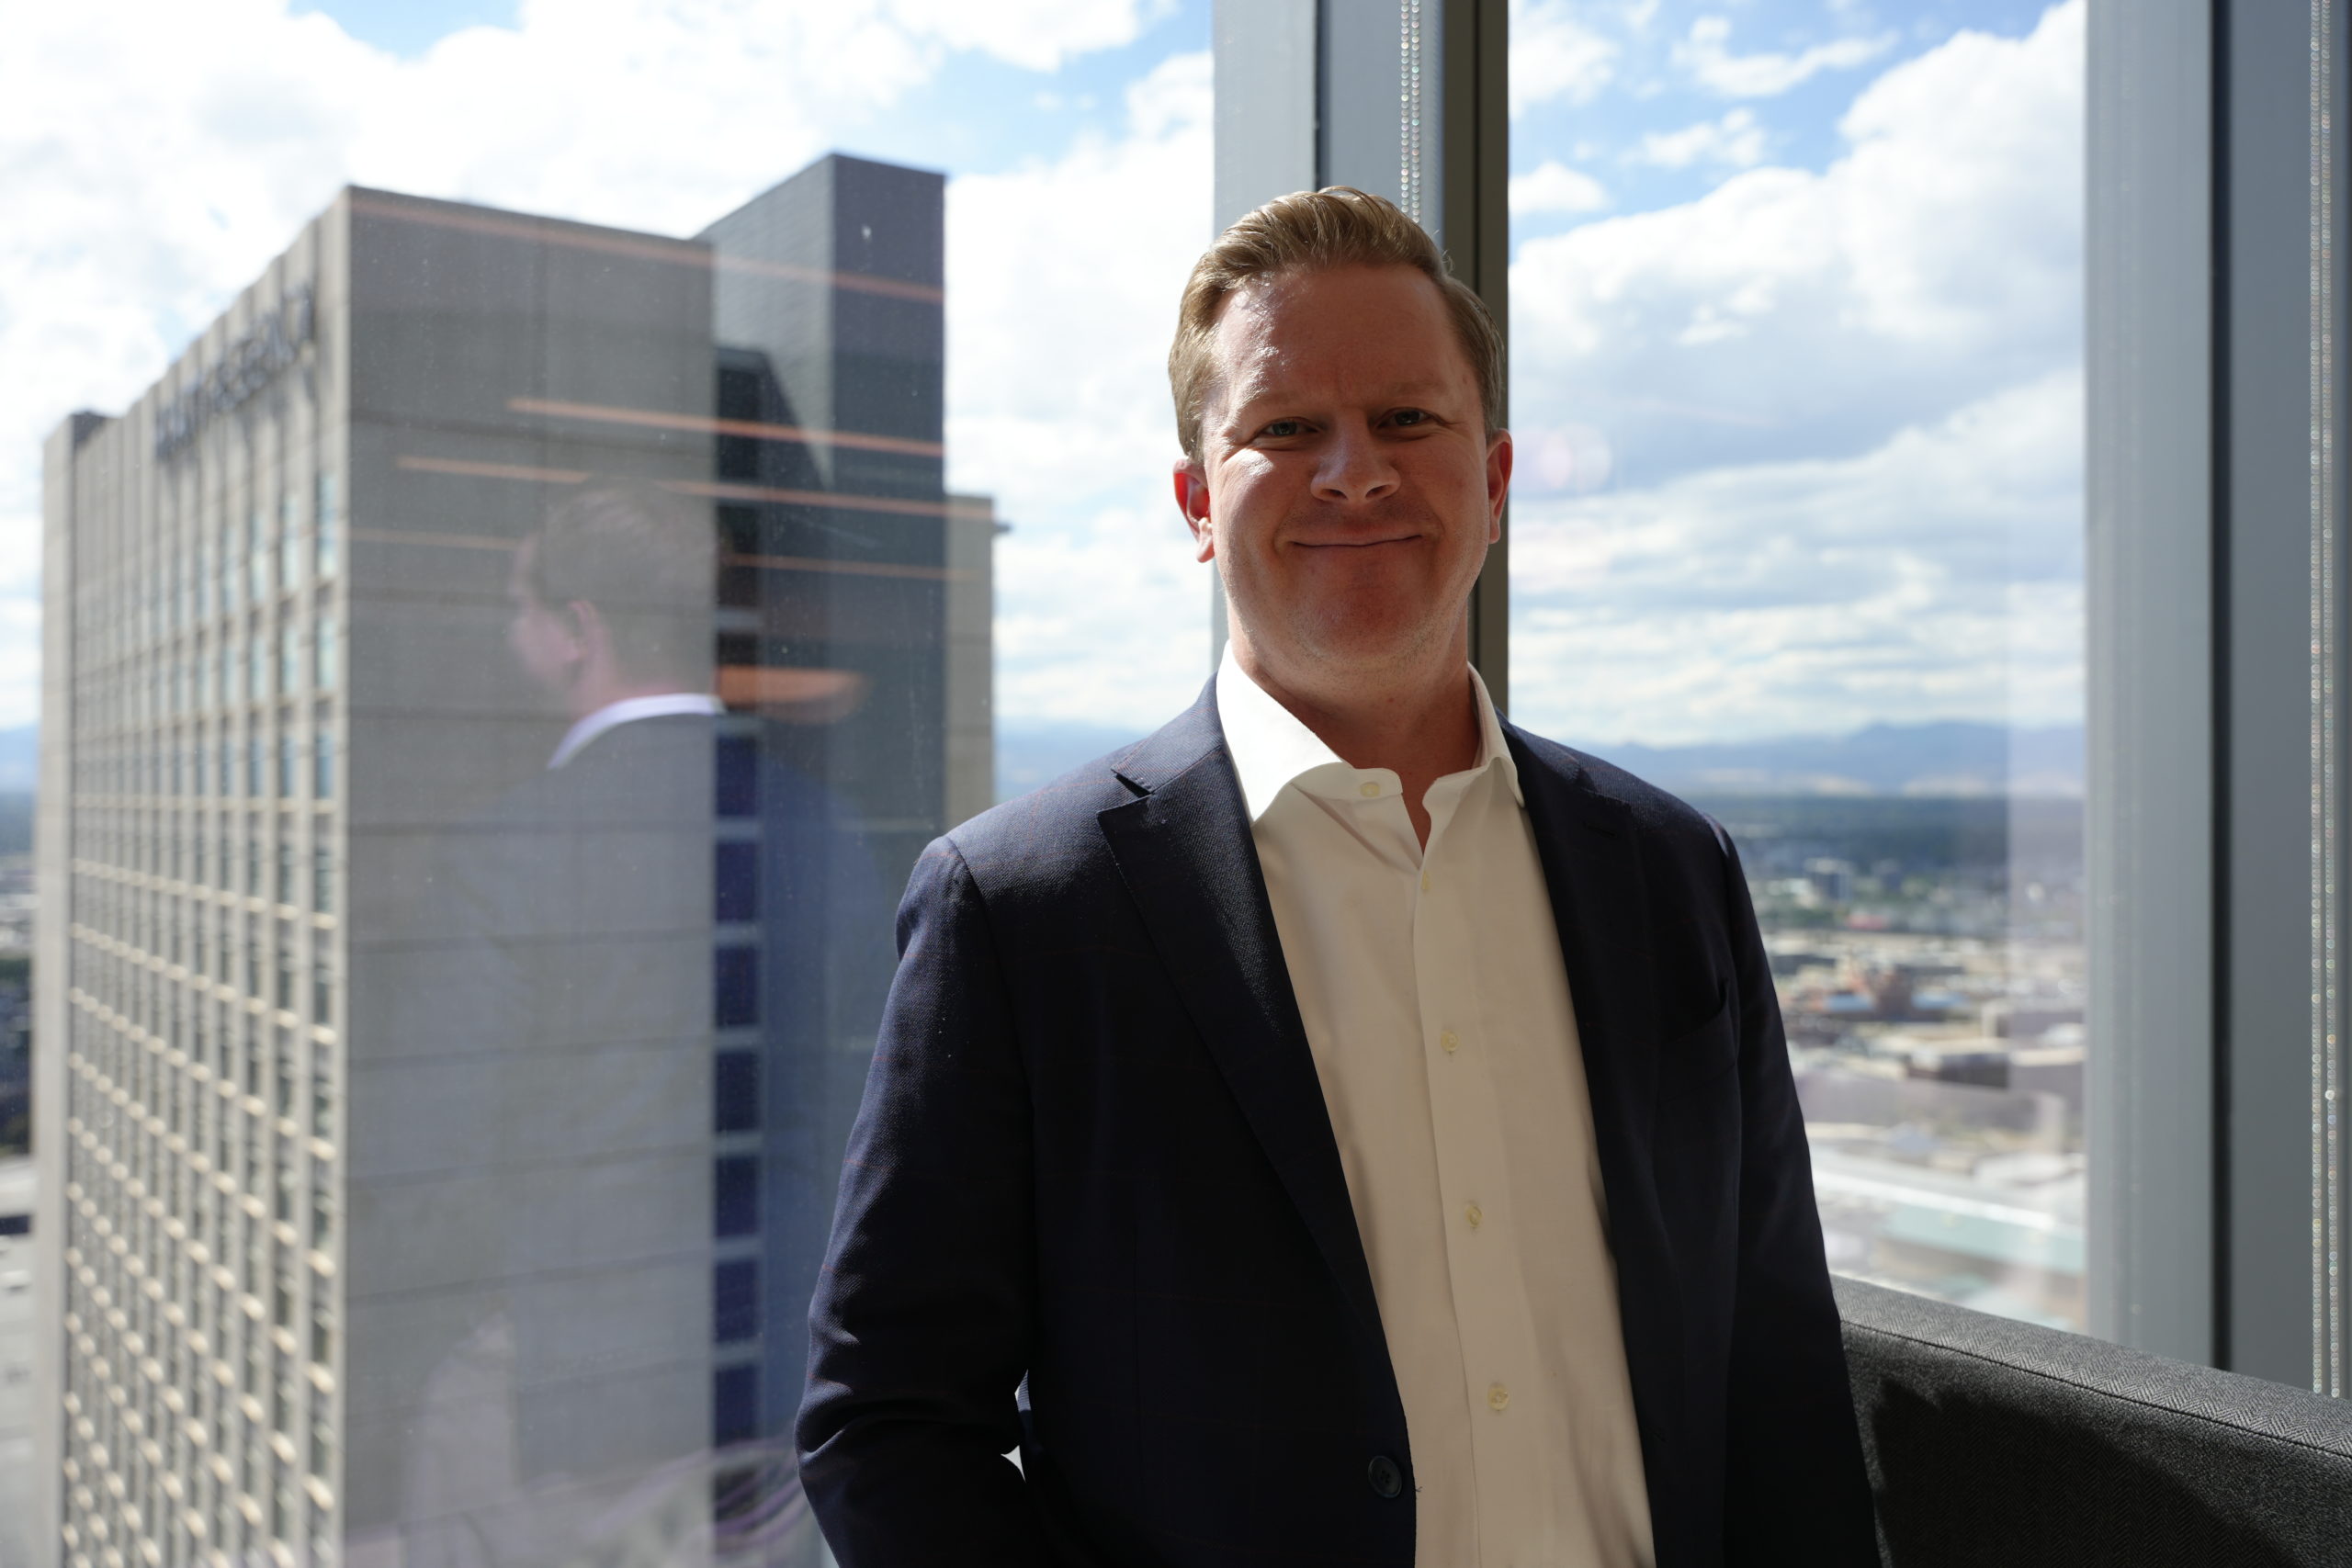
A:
<point x="149" y="1070"/>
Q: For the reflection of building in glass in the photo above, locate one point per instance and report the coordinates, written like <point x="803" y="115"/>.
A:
<point x="446" y="1138"/>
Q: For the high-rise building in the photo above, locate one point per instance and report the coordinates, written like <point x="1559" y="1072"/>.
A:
<point x="494" y="683"/>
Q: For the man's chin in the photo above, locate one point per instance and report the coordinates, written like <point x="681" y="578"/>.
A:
<point x="1373" y="643"/>
<point x="1370" y="621"/>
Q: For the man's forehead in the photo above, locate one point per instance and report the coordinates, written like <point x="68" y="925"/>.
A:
<point x="1259" y="377"/>
<point x="1274" y="336"/>
<point x="1290" y="294"/>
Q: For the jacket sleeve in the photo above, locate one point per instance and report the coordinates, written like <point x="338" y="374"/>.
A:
<point x="1796" y="1487"/>
<point x="920" y="1328"/>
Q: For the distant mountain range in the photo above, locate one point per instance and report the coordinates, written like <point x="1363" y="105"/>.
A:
<point x="1945" y="759"/>
<point x="19" y="757"/>
<point x="1028" y="755"/>
<point x="1951" y="758"/>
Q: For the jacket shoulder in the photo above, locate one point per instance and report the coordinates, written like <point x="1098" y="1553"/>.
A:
<point x="1041" y="839"/>
<point x="1654" y="813"/>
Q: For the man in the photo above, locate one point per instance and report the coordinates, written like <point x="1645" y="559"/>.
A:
<point x="1362" y="1127"/>
<point x="635" y="977"/>
<point x="561" y="1001"/>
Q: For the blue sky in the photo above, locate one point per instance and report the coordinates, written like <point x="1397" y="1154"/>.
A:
<point x="1796" y="299"/>
<point x="1796" y="308"/>
<point x="978" y="114"/>
<point x="982" y="115"/>
<point x="408" y="28"/>
<point x="1651" y="90"/>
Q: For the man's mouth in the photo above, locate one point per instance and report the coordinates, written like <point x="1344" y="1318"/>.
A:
<point x="1355" y="544"/>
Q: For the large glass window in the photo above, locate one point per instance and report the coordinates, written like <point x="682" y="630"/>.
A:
<point x="590" y="493"/>
<point x="1797" y="340"/>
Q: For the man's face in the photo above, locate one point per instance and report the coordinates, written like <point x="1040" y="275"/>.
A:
<point x="1346" y="487"/>
<point x="541" y="637"/>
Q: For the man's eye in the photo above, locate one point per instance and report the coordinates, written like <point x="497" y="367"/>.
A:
<point x="1282" y="428"/>
<point x="1410" y="416"/>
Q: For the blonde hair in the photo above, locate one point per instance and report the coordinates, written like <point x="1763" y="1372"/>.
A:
<point x="1312" y="231"/>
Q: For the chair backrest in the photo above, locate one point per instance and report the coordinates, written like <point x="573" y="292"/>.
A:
<point x="1996" y="1442"/>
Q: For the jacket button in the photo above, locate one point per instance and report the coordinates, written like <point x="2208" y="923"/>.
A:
<point x="1387" y="1477"/>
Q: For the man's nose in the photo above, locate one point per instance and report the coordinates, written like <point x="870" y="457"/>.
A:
<point x="1355" y="467"/>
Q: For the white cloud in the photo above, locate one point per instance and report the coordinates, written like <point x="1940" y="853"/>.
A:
<point x="154" y="155"/>
<point x="1792" y="313"/>
<point x="1842" y="413"/>
<point x="1937" y="576"/>
<point x="152" y="162"/>
<point x="1706" y="54"/>
<point x="1058" y="405"/>
<point x="1038" y="34"/>
<point x="1554" y="55"/>
<point x="1553" y="186"/>
<point x="1735" y="140"/>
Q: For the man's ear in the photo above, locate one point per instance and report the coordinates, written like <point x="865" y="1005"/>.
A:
<point x="591" y="638"/>
<point x="1498" y="464"/>
<point x="1193" y="499"/>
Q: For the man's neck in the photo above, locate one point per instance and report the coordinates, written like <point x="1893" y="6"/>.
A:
<point x="1419" y="719"/>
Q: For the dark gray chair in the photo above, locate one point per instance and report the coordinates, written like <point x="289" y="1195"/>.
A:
<point x="1996" y="1444"/>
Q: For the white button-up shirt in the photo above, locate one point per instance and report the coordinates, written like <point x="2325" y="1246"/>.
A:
<point x="1436" y="1005"/>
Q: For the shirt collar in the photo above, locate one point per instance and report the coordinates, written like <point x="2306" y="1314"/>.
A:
<point x="1271" y="749"/>
<point x="629" y="710"/>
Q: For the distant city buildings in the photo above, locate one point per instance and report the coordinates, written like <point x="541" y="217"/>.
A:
<point x="17" y="906"/>
<point x="1928" y="952"/>
<point x="495" y="685"/>
<point x="18" y="1485"/>
<point x="17" y="1189"/>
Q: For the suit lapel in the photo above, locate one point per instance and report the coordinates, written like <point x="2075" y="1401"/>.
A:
<point x="1592" y="867"/>
<point x="1600" y="903"/>
<point x="1185" y="851"/>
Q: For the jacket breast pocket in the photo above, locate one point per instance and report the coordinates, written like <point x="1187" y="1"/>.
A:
<point x="1697" y="1058"/>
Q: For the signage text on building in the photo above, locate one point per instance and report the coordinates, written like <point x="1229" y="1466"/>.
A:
<point x="248" y="364"/>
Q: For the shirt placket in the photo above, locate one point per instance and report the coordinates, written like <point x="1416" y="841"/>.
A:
<point x="1466" y="1124"/>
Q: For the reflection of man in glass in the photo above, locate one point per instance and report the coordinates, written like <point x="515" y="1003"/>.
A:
<point x="1342" y="1127"/>
<point x="611" y="612"/>
<point x="564" y="1406"/>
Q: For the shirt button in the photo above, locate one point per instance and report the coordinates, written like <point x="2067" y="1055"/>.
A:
<point x="1497" y="1397"/>
<point x="1473" y="1215"/>
<point x="1451" y="1041"/>
<point x="1425" y="882"/>
<point x="1368" y="789"/>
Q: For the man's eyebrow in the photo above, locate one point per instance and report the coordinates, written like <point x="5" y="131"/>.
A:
<point x="1250" y="397"/>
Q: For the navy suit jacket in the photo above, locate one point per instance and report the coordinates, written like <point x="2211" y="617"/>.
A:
<point x="1093" y="1207"/>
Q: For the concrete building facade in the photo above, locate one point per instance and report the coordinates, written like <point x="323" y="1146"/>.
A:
<point x="440" y="1110"/>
